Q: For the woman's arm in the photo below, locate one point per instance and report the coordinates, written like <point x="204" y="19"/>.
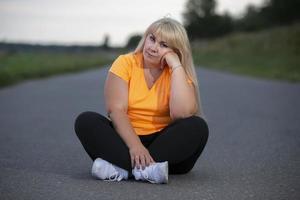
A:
<point x="116" y="102"/>
<point x="183" y="101"/>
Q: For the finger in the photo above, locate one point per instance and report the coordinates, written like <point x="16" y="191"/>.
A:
<point x="151" y="160"/>
<point x="148" y="160"/>
<point x="163" y="57"/>
<point x="137" y="162"/>
<point x="132" y="161"/>
<point x="143" y="162"/>
<point x="162" y="62"/>
<point x="161" y="65"/>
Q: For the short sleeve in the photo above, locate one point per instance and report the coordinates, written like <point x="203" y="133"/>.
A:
<point x="122" y="68"/>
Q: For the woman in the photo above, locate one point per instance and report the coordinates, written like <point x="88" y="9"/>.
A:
<point x="155" y="124"/>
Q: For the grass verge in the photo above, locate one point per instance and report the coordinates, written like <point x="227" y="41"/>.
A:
<point x="18" y="66"/>
<point x="272" y="54"/>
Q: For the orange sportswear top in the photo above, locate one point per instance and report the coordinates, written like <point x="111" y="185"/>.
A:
<point x="148" y="109"/>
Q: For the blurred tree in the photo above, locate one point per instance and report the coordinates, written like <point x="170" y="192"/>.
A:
<point x="251" y="21"/>
<point x="201" y="21"/>
<point x="200" y="8"/>
<point x="207" y="7"/>
<point x="272" y="13"/>
<point x="133" y="41"/>
<point x="105" y="44"/>
<point x="281" y="11"/>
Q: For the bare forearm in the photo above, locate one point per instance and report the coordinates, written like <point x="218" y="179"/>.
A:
<point x="182" y="97"/>
<point x="124" y="128"/>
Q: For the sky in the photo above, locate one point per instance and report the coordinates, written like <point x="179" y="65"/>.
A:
<point x="86" y="22"/>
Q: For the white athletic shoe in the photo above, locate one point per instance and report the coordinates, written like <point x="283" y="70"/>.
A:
<point x="154" y="173"/>
<point x="104" y="170"/>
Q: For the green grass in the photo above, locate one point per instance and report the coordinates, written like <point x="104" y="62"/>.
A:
<point x="271" y="54"/>
<point x="15" y="67"/>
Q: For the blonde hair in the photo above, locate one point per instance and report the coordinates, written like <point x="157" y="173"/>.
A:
<point x="174" y="34"/>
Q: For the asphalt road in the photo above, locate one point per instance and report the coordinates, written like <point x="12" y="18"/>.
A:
<point x="252" y="152"/>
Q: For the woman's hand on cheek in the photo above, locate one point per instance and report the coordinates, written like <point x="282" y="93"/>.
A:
<point x="163" y="61"/>
<point x="171" y="58"/>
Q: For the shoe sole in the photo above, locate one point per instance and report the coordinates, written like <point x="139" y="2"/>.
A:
<point x="94" y="170"/>
<point x="166" y="169"/>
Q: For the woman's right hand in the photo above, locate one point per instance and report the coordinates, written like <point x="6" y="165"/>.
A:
<point x="140" y="157"/>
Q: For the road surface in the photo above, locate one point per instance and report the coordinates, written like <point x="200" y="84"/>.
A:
<point x="252" y="152"/>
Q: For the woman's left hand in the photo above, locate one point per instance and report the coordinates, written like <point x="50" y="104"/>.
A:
<point x="171" y="58"/>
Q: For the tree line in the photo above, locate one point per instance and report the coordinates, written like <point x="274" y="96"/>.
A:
<point x="202" y="22"/>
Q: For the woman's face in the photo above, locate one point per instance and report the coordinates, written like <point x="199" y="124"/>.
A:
<point x="154" y="50"/>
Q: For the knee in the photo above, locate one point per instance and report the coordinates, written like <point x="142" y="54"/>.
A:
<point x="198" y="127"/>
<point x="84" y="120"/>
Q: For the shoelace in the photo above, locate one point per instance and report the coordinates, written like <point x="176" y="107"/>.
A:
<point x="116" y="176"/>
<point x="145" y="174"/>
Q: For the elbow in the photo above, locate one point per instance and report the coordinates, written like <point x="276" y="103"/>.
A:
<point x="183" y="112"/>
<point x="116" y="110"/>
<point x="178" y="114"/>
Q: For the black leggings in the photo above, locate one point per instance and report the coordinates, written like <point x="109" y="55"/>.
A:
<point x="180" y="143"/>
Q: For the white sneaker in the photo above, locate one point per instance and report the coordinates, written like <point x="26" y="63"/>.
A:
<point x="104" y="170"/>
<point x="154" y="173"/>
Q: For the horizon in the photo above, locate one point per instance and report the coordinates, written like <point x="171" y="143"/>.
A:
<point x="79" y="23"/>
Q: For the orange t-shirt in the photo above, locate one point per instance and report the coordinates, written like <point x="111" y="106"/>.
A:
<point x="148" y="109"/>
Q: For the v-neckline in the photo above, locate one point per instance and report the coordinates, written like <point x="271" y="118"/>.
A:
<point x="155" y="82"/>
